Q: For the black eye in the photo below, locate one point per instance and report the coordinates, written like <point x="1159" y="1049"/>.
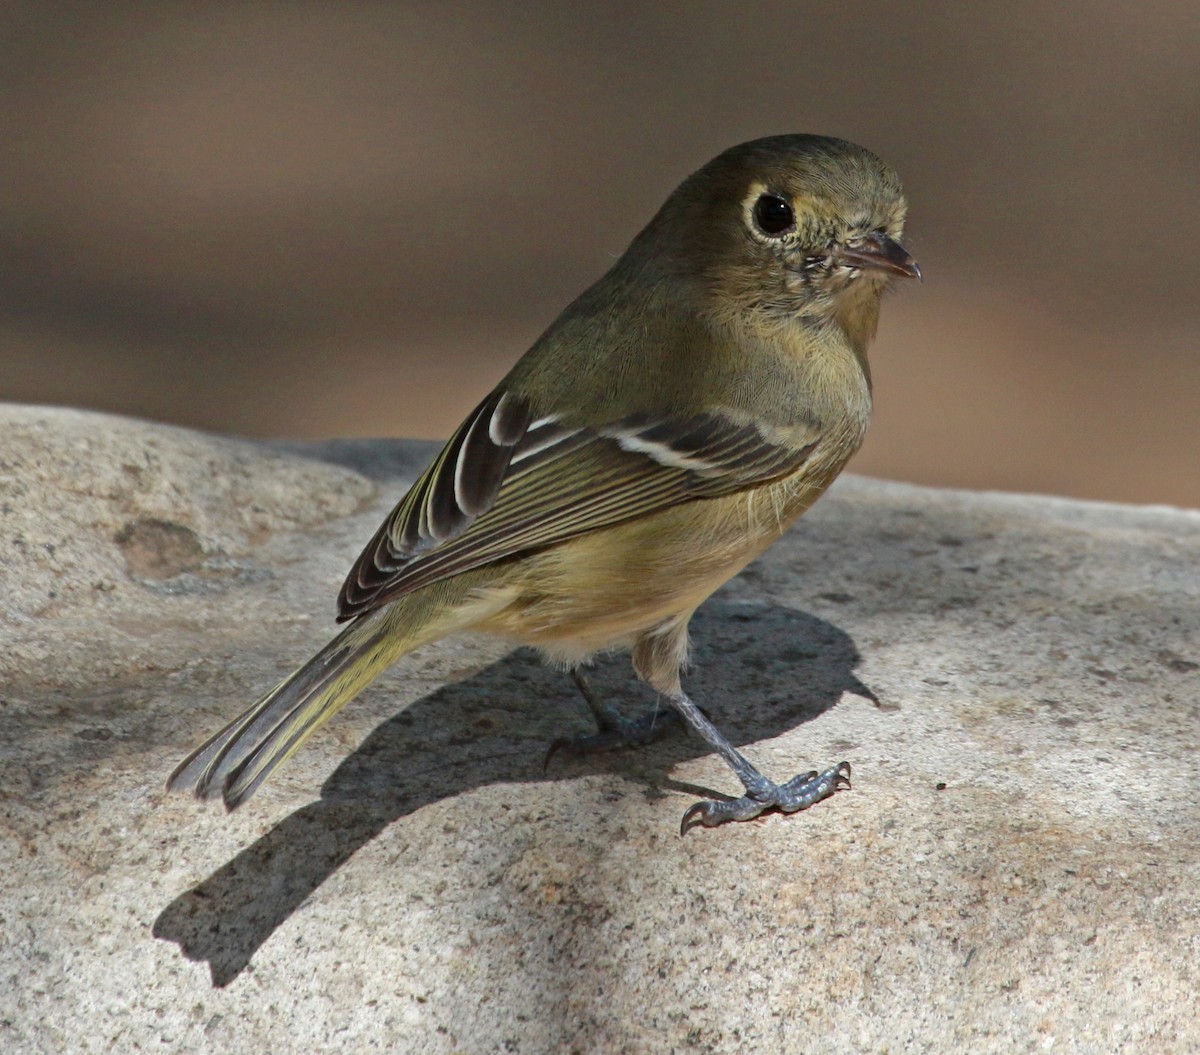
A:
<point x="773" y="215"/>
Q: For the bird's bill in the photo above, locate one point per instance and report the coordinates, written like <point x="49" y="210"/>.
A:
<point x="878" y="253"/>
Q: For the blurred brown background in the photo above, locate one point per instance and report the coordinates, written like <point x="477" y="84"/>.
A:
<point x="349" y="219"/>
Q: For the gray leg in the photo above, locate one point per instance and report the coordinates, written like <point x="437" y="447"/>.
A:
<point x="797" y="794"/>
<point x="616" y="731"/>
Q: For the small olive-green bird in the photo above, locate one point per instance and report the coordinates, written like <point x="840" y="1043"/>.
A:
<point x="661" y="434"/>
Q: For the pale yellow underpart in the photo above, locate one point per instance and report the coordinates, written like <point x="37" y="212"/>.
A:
<point x="636" y="585"/>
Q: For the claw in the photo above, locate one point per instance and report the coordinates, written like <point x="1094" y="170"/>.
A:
<point x="563" y="743"/>
<point x="799" y="793"/>
<point x="621" y="733"/>
<point x="578" y="746"/>
<point x="710" y="814"/>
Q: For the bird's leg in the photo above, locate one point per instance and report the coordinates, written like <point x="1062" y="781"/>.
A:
<point x="797" y="794"/>
<point x="616" y="731"/>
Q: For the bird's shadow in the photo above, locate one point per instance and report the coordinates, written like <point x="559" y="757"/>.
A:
<point x="458" y="738"/>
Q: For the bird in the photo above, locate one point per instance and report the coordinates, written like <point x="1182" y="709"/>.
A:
<point x="662" y="433"/>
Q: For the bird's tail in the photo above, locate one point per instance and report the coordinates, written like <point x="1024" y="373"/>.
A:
<point x="236" y="760"/>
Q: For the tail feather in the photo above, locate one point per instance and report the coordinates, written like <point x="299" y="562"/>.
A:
<point x="237" y="759"/>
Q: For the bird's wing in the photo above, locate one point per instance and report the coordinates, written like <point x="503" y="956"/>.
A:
<point x="506" y="484"/>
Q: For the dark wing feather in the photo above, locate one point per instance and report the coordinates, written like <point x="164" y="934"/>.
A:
<point x="492" y="494"/>
<point x="460" y="485"/>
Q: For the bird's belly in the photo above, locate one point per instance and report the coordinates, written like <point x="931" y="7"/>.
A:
<point x="603" y="589"/>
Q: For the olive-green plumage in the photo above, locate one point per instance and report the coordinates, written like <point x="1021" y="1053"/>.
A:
<point x="662" y="433"/>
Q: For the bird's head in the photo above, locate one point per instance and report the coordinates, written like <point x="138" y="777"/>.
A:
<point x="793" y="227"/>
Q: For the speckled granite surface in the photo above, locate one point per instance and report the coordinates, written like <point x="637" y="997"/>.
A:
<point x="1016" y="869"/>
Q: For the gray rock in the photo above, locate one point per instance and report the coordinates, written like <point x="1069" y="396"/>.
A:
<point x="1017" y="867"/>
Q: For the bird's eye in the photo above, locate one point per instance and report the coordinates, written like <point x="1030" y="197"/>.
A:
<point x="773" y="215"/>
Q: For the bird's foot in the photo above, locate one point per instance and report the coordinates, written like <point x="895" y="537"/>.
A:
<point x="797" y="794"/>
<point x="617" y="732"/>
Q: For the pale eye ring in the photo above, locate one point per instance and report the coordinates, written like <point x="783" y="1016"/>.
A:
<point x="773" y="215"/>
